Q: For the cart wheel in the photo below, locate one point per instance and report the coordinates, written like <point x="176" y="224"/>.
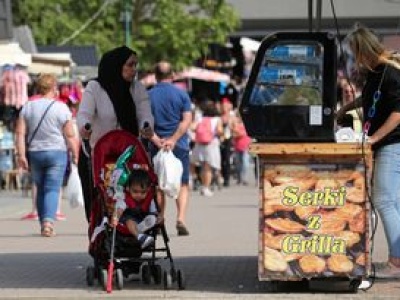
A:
<point x="167" y="280"/>
<point x="119" y="278"/>
<point x="354" y="284"/>
<point x="146" y="275"/>
<point x="103" y="278"/>
<point x="90" y="275"/>
<point x="180" y="277"/>
<point x="157" y="273"/>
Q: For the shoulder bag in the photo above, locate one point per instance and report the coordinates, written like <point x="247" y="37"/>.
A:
<point x="37" y="127"/>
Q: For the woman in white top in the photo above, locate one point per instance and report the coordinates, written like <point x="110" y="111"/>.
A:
<point x="114" y="100"/>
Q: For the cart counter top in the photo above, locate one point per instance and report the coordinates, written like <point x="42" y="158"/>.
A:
<point x="310" y="149"/>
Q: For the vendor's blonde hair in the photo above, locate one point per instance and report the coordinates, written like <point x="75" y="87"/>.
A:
<point x="368" y="50"/>
<point x="45" y="83"/>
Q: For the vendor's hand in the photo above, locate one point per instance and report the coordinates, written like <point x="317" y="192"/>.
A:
<point x="339" y="115"/>
<point x="371" y="140"/>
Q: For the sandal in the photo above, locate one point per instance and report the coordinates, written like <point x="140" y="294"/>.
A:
<point x="47" y="230"/>
<point x="181" y="228"/>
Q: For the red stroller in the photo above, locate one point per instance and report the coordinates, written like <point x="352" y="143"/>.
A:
<point x="115" y="245"/>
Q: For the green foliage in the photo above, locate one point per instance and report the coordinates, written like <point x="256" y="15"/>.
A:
<point x="177" y="30"/>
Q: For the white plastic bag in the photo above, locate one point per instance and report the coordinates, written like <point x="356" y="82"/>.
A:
<point x="73" y="190"/>
<point x="169" y="171"/>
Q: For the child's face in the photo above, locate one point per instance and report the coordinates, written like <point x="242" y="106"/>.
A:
<point x="137" y="192"/>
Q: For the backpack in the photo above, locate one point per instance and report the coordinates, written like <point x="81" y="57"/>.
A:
<point x="203" y="132"/>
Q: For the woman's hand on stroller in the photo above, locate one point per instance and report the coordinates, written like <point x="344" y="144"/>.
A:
<point x="86" y="131"/>
<point x="114" y="221"/>
<point x="147" y="132"/>
<point x="115" y="217"/>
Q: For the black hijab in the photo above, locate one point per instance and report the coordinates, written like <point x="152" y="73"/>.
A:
<point x="117" y="88"/>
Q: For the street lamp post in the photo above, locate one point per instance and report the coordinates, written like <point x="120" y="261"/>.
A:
<point x="127" y="18"/>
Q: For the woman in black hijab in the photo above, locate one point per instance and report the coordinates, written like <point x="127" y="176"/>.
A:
<point x="114" y="100"/>
<point x="118" y="88"/>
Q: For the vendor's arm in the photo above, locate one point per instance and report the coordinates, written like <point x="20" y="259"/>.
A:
<point x="390" y="124"/>
<point x="347" y="107"/>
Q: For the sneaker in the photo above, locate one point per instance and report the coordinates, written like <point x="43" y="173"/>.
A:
<point x="181" y="228"/>
<point x="147" y="223"/>
<point x="389" y="271"/>
<point x="145" y="240"/>
<point x="30" y="217"/>
<point x="206" y="192"/>
<point x="60" y="216"/>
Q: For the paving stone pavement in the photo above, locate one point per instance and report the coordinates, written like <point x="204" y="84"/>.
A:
<point x="219" y="258"/>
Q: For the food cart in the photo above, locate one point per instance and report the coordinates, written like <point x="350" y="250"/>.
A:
<point x="313" y="211"/>
<point x="314" y="205"/>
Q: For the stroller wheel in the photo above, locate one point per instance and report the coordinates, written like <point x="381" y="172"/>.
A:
<point x="119" y="277"/>
<point x="146" y="276"/>
<point x="103" y="278"/>
<point x="157" y="273"/>
<point x="180" y="277"/>
<point x="167" y="280"/>
<point x="90" y="275"/>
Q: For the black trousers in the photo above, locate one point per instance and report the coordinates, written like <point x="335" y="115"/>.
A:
<point x="226" y="153"/>
<point x="85" y="173"/>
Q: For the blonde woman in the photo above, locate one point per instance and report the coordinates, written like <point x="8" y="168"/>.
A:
<point x="381" y="108"/>
<point x="44" y="134"/>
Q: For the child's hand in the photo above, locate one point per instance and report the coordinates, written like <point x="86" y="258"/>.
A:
<point x="114" y="221"/>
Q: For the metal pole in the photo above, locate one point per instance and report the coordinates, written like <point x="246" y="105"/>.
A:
<point x="310" y="15"/>
<point x="319" y="15"/>
<point x="127" y="20"/>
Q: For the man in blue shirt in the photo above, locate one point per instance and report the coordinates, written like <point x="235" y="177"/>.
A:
<point x="171" y="108"/>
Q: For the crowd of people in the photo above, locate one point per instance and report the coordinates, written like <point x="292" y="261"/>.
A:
<point x="117" y="100"/>
<point x="206" y="135"/>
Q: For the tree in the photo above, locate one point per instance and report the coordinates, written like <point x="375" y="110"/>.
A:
<point x="177" y="30"/>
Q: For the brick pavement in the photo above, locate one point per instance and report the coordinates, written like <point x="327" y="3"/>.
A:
<point x="219" y="258"/>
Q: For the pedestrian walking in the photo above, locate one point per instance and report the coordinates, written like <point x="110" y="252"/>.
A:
<point x="44" y="134"/>
<point x="172" y="111"/>
<point x="114" y="100"/>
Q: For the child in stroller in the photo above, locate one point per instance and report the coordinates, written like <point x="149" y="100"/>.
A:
<point x="133" y="211"/>
<point x="123" y="223"/>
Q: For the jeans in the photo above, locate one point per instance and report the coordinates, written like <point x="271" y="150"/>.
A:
<point x="385" y="194"/>
<point x="242" y="167"/>
<point x="48" y="168"/>
<point x="226" y="152"/>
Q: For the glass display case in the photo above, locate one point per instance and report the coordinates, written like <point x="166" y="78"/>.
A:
<point x="291" y="92"/>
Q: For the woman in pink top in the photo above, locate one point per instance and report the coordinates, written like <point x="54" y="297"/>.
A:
<point x="241" y="143"/>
